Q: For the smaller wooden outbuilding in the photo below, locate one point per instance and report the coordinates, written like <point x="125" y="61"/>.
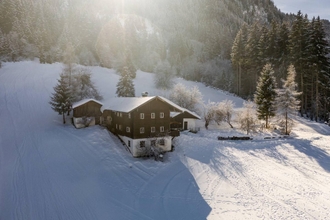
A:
<point x="185" y="120"/>
<point x="86" y="113"/>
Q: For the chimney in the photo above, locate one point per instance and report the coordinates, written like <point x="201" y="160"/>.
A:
<point x="144" y="94"/>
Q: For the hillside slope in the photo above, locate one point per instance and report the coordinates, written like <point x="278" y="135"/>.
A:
<point x="53" y="171"/>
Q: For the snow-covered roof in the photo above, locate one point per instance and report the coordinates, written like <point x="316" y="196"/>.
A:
<point x="124" y="104"/>
<point x="84" y="101"/>
<point x="180" y="108"/>
<point x="173" y="114"/>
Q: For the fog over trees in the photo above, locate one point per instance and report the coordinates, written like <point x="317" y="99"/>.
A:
<point x="223" y="44"/>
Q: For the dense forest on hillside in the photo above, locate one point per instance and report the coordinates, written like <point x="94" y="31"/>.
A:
<point x="195" y="37"/>
<point x="186" y="32"/>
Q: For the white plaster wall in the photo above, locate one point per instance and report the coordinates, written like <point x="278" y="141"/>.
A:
<point x="135" y="143"/>
<point x="191" y="123"/>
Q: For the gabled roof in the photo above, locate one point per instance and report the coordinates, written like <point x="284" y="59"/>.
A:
<point x="84" y="101"/>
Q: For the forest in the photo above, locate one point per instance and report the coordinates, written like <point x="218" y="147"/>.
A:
<point x="224" y="44"/>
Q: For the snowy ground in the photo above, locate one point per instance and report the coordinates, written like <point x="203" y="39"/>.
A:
<point x="53" y="171"/>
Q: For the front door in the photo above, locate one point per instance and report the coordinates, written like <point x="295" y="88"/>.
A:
<point x="185" y="125"/>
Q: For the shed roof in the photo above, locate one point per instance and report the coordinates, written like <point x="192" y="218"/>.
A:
<point x="84" y="101"/>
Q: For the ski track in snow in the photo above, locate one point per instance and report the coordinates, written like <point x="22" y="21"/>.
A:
<point x="53" y="171"/>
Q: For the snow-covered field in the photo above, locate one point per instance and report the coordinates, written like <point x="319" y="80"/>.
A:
<point x="53" y="171"/>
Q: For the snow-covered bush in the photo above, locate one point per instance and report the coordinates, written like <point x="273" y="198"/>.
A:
<point x="186" y="98"/>
<point x="247" y="118"/>
<point x="226" y="111"/>
<point x="209" y="112"/>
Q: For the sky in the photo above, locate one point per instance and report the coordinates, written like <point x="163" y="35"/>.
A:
<point x="310" y="7"/>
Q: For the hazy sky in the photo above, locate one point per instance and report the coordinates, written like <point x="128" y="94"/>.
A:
<point x="310" y="7"/>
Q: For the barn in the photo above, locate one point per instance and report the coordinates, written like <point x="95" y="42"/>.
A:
<point x="86" y="113"/>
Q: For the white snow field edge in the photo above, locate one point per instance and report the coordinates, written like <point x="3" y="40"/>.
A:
<point x="53" y="171"/>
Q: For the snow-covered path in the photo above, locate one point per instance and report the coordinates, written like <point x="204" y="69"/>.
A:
<point x="263" y="179"/>
<point x="53" y="171"/>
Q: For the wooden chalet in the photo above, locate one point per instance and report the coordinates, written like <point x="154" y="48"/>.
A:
<point x="141" y="122"/>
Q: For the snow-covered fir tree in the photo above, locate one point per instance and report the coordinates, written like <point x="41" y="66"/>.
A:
<point x="266" y="94"/>
<point x="287" y="102"/>
<point x="60" y="99"/>
<point x="125" y="86"/>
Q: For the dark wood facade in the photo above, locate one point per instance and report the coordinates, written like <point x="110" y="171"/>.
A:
<point x="88" y="109"/>
<point x="150" y="119"/>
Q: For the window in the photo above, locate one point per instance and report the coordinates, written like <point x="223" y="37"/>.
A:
<point x="141" y="115"/>
<point x="153" y="143"/>
<point x="153" y="129"/>
<point x="142" y="143"/>
<point x="161" y="115"/>
<point x="120" y="127"/>
<point x="129" y="143"/>
<point x="129" y="115"/>
<point x="120" y="114"/>
<point x="117" y="113"/>
<point x="128" y="129"/>
<point x="109" y="118"/>
<point x="142" y="130"/>
<point x="162" y="129"/>
<point x="162" y="142"/>
<point x="153" y="115"/>
<point x="116" y="126"/>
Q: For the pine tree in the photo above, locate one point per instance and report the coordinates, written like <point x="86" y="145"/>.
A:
<point x="318" y="63"/>
<point x="286" y="101"/>
<point x="266" y="94"/>
<point x="251" y="61"/>
<point x="298" y="53"/>
<point x="60" y="100"/>
<point x="238" y="55"/>
<point x="125" y="86"/>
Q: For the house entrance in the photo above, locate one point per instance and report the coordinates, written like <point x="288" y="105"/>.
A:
<point x="185" y="125"/>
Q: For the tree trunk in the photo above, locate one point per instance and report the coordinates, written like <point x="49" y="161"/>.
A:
<point x="63" y="118"/>
<point x="317" y="97"/>
<point x="286" y="123"/>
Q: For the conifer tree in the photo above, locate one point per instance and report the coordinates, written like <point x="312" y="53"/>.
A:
<point x="238" y="55"/>
<point x="125" y="86"/>
<point x="60" y="100"/>
<point x="318" y="63"/>
<point x="286" y="101"/>
<point x="266" y="94"/>
<point x="298" y="53"/>
<point x="251" y="61"/>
